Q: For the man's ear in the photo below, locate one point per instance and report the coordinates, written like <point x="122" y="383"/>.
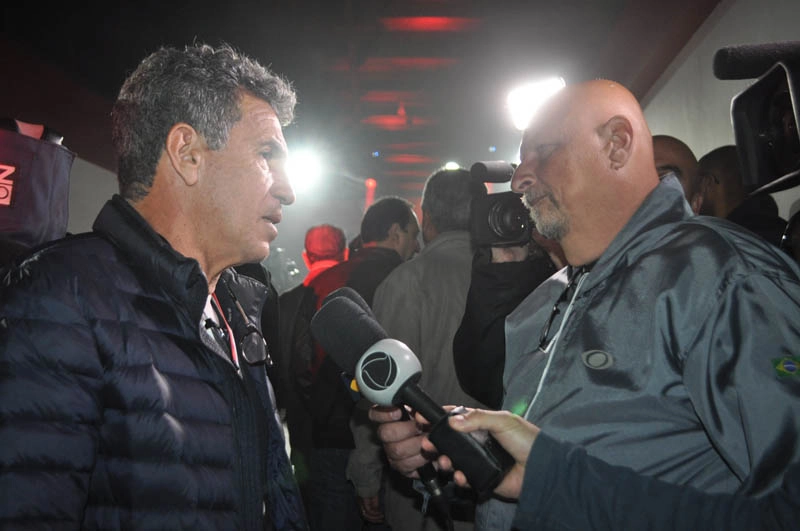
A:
<point x="429" y="230"/>
<point x="184" y="151"/>
<point x="618" y="134"/>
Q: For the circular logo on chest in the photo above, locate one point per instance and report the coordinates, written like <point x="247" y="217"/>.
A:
<point x="597" y="359"/>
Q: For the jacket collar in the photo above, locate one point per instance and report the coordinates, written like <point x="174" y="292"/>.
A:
<point x="443" y="238"/>
<point x="655" y="217"/>
<point x="375" y="253"/>
<point x="179" y="276"/>
<point x="318" y="267"/>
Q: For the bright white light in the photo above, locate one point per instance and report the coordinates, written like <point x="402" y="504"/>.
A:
<point x="452" y="165"/>
<point x="524" y="101"/>
<point x="304" y="169"/>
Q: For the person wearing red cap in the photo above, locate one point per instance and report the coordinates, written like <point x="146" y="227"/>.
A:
<point x="325" y="246"/>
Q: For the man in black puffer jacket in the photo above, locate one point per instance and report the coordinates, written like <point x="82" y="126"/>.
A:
<point x="133" y="383"/>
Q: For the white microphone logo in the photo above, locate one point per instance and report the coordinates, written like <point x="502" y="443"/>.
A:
<point x="378" y="371"/>
<point x="384" y="369"/>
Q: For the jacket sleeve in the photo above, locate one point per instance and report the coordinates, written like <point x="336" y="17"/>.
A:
<point x="564" y="488"/>
<point x="299" y="372"/>
<point x="741" y="375"/>
<point x="289" y="304"/>
<point x="365" y="467"/>
<point x="50" y="380"/>
<point x="479" y="344"/>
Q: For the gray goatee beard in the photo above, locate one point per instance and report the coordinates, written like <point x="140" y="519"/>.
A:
<point x="553" y="227"/>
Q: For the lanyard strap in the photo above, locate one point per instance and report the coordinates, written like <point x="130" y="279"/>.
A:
<point x="551" y="346"/>
<point x="231" y="341"/>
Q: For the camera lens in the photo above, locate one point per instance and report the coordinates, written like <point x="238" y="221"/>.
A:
<point x="508" y="219"/>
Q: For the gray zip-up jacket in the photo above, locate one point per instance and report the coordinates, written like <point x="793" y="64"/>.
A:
<point x="675" y="356"/>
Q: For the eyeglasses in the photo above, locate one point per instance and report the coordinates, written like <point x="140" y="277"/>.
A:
<point x="252" y="346"/>
<point x="561" y="300"/>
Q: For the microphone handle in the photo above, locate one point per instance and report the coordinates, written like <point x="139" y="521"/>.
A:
<point x="412" y="395"/>
<point x="484" y="462"/>
<point x="430" y="479"/>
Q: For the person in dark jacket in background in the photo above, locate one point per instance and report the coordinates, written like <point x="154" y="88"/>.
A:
<point x="133" y="383"/>
<point x="672" y="156"/>
<point x="726" y="196"/>
<point x="501" y="277"/>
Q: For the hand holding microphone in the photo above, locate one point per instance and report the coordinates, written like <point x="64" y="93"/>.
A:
<point x="387" y="373"/>
<point x="515" y="434"/>
<point x="372" y="331"/>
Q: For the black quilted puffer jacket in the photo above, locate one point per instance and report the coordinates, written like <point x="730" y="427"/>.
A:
<point x="117" y="409"/>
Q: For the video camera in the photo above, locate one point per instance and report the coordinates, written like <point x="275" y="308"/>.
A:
<point x="766" y="114"/>
<point x="499" y="219"/>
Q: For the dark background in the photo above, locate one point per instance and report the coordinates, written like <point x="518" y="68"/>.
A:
<point x="370" y="74"/>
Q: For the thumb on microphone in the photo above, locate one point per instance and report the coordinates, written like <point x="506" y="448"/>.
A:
<point x="511" y="431"/>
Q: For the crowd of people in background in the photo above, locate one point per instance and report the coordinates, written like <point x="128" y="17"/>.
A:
<point x="637" y="358"/>
<point x="457" y="318"/>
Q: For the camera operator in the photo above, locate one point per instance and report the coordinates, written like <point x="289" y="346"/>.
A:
<point x="511" y="258"/>
<point x="502" y="276"/>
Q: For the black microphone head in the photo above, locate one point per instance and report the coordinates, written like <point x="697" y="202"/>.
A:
<point x="345" y="331"/>
<point x="751" y="61"/>
<point x="349" y="293"/>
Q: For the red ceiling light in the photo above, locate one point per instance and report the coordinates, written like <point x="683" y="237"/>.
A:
<point x="396" y="64"/>
<point x="390" y="96"/>
<point x="369" y="194"/>
<point x="395" y="122"/>
<point x="408" y="158"/>
<point x="408" y="146"/>
<point x="429" y="24"/>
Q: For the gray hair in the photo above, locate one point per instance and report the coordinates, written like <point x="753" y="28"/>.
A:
<point x="447" y="197"/>
<point x="200" y="86"/>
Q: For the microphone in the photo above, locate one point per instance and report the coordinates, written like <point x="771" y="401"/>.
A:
<point x="374" y="333"/>
<point x="753" y="60"/>
<point x="387" y="372"/>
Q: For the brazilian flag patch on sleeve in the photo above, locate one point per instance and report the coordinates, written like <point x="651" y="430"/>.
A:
<point x="787" y="366"/>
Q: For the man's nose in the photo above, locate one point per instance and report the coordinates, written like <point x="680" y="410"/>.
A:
<point x="282" y="187"/>
<point x="522" y="178"/>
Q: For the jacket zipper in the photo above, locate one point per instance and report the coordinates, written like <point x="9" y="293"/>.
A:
<point x="551" y="346"/>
